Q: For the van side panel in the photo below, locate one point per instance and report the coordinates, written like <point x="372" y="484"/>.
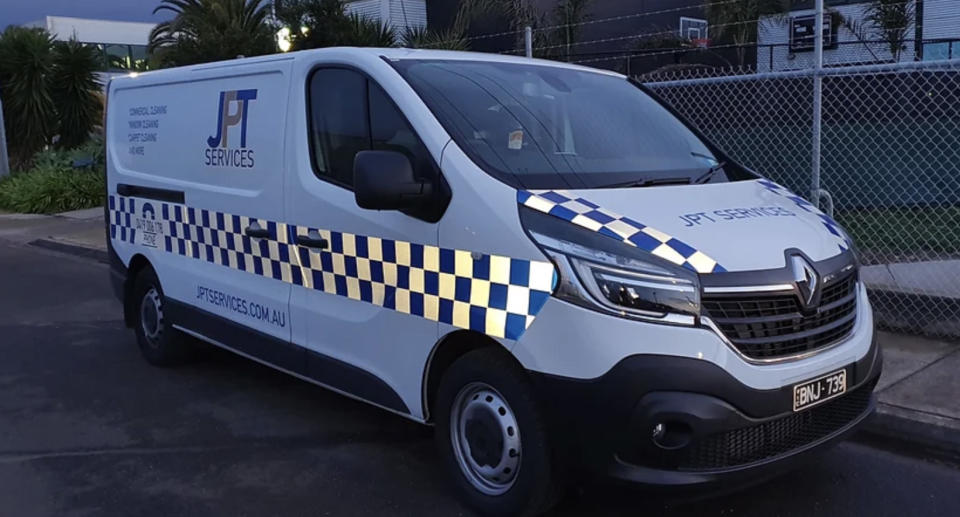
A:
<point x="195" y="159"/>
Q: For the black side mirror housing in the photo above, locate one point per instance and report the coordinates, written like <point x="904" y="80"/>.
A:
<point x="384" y="180"/>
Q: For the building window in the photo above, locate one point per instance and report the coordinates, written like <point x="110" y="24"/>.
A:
<point x="139" y="58"/>
<point x="940" y="50"/>
<point x="118" y="57"/>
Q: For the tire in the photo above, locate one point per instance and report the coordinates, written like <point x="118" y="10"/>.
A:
<point x="160" y="344"/>
<point x="492" y="436"/>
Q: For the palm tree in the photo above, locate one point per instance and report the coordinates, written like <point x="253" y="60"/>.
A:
<point x="736" y="20"/>
<point x="74" y="88"/>
<point x="891" y="20"/>
<point x="564" y="20"/>
<point x="367" y="32"/>
<point x="48" y="89"/>
<point x="211" y="30"/>
<point x="28" y="107"/>
<point x="422" y="37"/>
<point x="569" y="16"/>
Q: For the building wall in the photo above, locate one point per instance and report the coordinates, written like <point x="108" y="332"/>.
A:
<point x="396" y="13"/>
<point x="96" y="31"/>
<point x="121" y="45"/>
<point x="941" y="20"/>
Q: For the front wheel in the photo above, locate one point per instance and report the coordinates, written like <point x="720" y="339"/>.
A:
<point x="492" y="437"/>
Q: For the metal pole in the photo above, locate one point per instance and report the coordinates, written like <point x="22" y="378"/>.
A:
<point x="817" y="104"/>
<point x="528" y="38"/>
<point x="4" y="160"/>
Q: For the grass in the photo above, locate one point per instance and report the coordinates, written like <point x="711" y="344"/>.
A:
<point x="911" y="232"/>
<point x="52" y="185"/>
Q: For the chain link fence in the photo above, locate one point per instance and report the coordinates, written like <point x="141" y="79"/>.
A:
<point x="890" y="162"/>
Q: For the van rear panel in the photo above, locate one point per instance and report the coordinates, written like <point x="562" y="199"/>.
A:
<point x="195" y="158"/>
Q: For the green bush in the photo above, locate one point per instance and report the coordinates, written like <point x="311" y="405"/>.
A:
<point x="53" y="185"/>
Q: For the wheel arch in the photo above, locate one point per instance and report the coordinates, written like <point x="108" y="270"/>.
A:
<point x="137" y="264"/>
<point x="447" y="350"/>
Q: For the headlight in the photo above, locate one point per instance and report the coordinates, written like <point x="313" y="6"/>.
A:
<point x="603" y="274"/>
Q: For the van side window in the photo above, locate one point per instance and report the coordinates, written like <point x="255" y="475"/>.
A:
<point x="349" y="114"/>
<point x="338" y="101"/>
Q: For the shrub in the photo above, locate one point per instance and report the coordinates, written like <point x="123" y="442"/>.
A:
<point x="53" y="185"/>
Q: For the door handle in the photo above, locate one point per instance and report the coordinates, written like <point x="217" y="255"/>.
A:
<point x="312" y="241"/>
<point x="256" y="232"/>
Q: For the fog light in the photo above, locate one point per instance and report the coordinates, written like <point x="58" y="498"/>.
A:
<point x="671" y="435"/>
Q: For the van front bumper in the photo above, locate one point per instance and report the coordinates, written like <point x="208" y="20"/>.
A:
<point x="714" y="429"/>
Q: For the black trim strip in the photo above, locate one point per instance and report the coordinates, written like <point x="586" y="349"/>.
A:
<point x="158" y="194"/>
<point x="288" y="356"/>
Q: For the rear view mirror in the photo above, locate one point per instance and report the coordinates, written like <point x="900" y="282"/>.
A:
<point x="384" y="180"/>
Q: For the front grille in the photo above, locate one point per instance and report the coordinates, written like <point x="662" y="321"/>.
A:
<point x="777" y="437"/>
<point x="775" y="325"/>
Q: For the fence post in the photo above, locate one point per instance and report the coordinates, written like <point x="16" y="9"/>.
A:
<point x="528" y="39"/>
<point x="4" y="157"/>
<point x="817" y="104"/>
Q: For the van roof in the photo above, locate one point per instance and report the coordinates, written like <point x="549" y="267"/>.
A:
<point x="389" y="53"/>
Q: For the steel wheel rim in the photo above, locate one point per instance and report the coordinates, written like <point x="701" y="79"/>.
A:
<point x="485" y="438"/>
<point x="151" y="316"/>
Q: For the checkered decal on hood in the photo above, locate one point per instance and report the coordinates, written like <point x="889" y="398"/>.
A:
<point x="843" y="241"/>
<point x="583" y="213"/>
<point x="497" y="295"/>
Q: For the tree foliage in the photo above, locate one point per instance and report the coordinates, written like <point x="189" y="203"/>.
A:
<point x="555" y="32"/>
<point x="446" y="39"/>
<point x="326" y="23"/>
<point x="211" y="30"/>
<point x="48" y="89"/>
<point x="735" y="21"/>
<point x="892" y="21"/>
<point x="74" y="89"/>
<point x="28" y="109"/>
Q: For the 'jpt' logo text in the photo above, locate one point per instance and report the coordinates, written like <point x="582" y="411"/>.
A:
<point x="234" y="106"/>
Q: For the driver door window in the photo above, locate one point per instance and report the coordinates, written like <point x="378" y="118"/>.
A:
<point x="350" y="113"/>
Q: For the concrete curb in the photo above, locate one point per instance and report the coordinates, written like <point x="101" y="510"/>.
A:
<point x="71" y="249"/>
<point x="912" y="314"/>
<point x="913" y="431"/>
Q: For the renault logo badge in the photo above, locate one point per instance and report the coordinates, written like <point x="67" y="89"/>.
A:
<point x="805" y="278"/>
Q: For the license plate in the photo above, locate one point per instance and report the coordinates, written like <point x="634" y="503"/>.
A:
<point x="821" y="389"/>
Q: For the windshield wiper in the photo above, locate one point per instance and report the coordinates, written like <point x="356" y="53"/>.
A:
<point x="705" y="177"/>
<point x="649" y="182"/>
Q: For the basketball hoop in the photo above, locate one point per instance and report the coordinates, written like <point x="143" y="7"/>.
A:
<point x="700" y="42"/>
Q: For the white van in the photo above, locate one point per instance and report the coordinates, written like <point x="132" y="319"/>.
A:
<point x="541" y="260"/>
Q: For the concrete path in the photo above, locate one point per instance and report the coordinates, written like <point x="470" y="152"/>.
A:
<point x="79" y="229"/>
<point x="919" y="393"/>
<point x="932" y="278"/>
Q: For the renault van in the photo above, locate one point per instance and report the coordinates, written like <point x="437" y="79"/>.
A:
<point x="541" y="260"/>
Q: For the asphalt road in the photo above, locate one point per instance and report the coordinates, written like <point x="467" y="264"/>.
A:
<point x="88" y="428"/>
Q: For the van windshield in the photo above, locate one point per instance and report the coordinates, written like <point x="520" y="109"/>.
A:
<point x="543" y="127"/>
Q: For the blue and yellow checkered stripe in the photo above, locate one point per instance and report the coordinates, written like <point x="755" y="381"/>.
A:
<point x="497" y="295"/>
<point x="588" y="215"/>
<point x="843" y="241"/>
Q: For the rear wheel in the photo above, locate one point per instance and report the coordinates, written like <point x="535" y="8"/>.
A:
<point x="160" y="343"/>
<point x="492" y="436"/>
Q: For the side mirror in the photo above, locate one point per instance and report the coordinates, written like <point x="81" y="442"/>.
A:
<point x="384" y="180"/>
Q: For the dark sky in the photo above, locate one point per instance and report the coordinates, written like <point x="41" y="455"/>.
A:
<point x="22" y="11"/>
